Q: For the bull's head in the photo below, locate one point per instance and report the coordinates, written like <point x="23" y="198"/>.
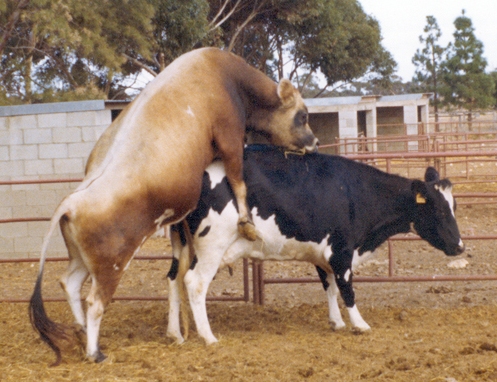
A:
<point x="287" y="124"/>
<point x="434" y="218"/>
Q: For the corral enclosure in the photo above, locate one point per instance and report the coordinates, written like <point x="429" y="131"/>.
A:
<point x="422" y="331"/>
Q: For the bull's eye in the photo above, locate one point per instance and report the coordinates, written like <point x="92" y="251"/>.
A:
<point x="301" y="118"/>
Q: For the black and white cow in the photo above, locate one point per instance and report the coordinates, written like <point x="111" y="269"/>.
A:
<point x="327" y="210"/>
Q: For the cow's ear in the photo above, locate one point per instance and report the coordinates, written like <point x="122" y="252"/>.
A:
<point x="286" y="93"/>
<point x="431" y="175"/>
<point x="419" y="191"/>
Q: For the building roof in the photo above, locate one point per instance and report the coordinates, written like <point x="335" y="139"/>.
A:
<point x="380" y="101"/>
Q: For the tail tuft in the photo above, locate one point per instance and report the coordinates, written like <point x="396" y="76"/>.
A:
<point x="50" y="332"/>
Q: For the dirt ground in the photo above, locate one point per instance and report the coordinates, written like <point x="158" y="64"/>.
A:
<point x="421" y="331"/>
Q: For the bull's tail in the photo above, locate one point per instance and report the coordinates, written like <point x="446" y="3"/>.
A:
<point x="50" y="332"/>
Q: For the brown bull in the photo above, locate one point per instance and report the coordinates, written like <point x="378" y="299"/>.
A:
<point x="146" y="171"/>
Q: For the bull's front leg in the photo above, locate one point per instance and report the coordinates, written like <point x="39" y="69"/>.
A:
<point x="232" y="157"/>
<point x="341" y="263"/>
<point x="246" y="226"/>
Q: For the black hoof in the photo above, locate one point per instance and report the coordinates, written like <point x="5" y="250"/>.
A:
<point x="98" y="357"/>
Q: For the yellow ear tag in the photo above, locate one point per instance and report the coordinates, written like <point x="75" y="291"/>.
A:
<point x="420" y="199"/>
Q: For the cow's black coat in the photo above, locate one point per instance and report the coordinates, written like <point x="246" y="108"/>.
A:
<point x="353" y="205"/>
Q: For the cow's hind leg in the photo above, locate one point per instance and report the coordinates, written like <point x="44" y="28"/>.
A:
<point x="342" y="269"/>
<point x="173" y="325"/>
<point x="197" y="281"/>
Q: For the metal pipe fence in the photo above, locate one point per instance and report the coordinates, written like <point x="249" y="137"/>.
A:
<point x="258" y="268"/>
<point x="258" y="279"/>
<point x="246" y="292"/>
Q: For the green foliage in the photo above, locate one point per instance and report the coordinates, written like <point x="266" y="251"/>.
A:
<point x="63" y="46"/>
<point x="494" y="78"/>
<point x="83" y="49"/>
<point x="333" y="37"/>
<point x="178" y="25"/>
<point x="428" y="61"/>
<point x="346" y="38"/>
<point x="466" y="85"/>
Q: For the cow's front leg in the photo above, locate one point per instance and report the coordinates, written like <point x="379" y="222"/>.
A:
<point x="331" y="289"/>
<point x="342" y="269"/>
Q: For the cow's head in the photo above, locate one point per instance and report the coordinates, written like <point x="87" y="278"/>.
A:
<point x="286" y="124"/>
<point x="434" y="218"/>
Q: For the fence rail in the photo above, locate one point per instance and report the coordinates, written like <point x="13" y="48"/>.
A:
<point x="258" y="280"/>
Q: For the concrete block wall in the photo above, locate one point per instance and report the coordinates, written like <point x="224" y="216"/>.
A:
<point x="43" y="141"/>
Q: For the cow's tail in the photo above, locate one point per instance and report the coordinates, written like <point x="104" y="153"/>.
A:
<point x="50" y="332"/>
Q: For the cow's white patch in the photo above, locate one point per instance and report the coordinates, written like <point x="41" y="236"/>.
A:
<point x="276" y="246"/>
<point x="359" y="259"/>
<point x="189" y="111"/>
<point x="327" y="252"/>
<point x="356" y="320"/>
<point x="447" y="194"/>
<point x="216" y="173"/>
<point x="271" y="245"/>
<point x="346" y="276"/>
<point x="116" y="267"/>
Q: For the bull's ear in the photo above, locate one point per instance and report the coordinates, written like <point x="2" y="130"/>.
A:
<point x="286" y="92"/>
<point x="419" y="192"/>
<point x="431" y="175"/>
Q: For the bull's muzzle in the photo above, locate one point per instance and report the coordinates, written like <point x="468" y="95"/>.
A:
<point x="312" y="148"/>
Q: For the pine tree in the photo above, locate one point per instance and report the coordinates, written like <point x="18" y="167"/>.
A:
<point x="428" y="63"/>
<point x="69" y="50"/>
<point x="466" y="85"/>
<point x="494" y="77"/>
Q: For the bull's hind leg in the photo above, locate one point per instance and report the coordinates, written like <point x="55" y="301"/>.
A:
<point x="94" y="316"/>
<point x="103" y="286"/>
<point x="71" y="282"/>
<point x="74" y="277"/>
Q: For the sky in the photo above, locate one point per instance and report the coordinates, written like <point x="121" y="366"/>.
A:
<point x="403" y="21"/>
